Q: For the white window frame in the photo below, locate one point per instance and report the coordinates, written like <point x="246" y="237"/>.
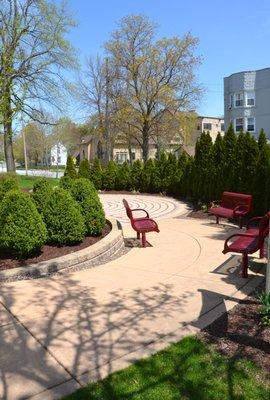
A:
<point x="235" y="124"/>
<point x="241" y="95"/>
<point x="250" y="93"/>
<point x="254" y="124"/>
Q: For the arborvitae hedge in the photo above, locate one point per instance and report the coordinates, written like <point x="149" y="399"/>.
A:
<point x="22" y="231"/>
<point x="84" y="169"/>
<point x="70" y="168"/>
<point x="96" y="174"/>
<point x="232" y="163"/>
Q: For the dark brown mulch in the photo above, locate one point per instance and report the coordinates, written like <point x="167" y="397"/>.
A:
<point x="51" y="251"/>
<point x="239" y="334"/>
<point x="198" y="214"/>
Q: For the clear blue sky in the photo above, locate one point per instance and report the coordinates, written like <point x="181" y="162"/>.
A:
<point x="234" y="35"/>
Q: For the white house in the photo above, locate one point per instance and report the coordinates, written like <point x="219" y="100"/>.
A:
<point x="58" y="154"/>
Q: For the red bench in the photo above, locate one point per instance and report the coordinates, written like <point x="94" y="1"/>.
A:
<point x="250" y="241"/>
<point x="232" y="205"/>
<point x="141" y="225"/>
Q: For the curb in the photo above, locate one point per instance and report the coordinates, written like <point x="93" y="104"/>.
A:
<point x="93" y="255"/>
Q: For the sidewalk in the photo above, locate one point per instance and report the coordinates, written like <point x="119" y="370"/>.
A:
<point x="60" y="332"/>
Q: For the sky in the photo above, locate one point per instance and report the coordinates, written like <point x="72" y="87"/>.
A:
<point x="233" y="35"/>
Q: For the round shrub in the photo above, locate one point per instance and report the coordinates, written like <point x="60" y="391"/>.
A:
<point x="66" y="182"/>
<point x="8" y="181"/>
<point x="63" y="219"/>
<point x="22" y="231"/>
<point x="41" y="193"/>
<point x="86" y="195"/>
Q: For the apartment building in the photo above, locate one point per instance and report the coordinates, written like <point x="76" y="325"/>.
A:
<point x="246" y="101"/>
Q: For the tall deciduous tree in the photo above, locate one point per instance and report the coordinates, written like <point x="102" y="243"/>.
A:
<point x="33" y="53"/>
<point x="157" y="77"/>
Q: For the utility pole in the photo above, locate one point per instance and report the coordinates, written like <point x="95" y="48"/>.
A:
<point x="24" y="147"/>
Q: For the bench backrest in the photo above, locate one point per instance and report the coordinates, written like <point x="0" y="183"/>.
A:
<point x="128" y="210"/>
<point x="231" y="200"/>
<point x="264" y="226"/>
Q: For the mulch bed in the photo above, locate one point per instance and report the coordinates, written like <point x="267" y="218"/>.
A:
<point x="51" y="251"/>
<point x="239" y="334"/>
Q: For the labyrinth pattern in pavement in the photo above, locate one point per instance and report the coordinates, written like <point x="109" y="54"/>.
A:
<point x="158" y="207"/>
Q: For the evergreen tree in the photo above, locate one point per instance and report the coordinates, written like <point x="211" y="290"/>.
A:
<point x="123" y="178"/>
<point x="147" y="176"/>
<point x="202" y="166"/>
<point x="70" y="168"/>
<point x="261" y="196"/>
<point x="109" y="176"/>
<point x="249" y="159"/>
<point x="229" y="176"/>
<point x="177" y="177"/>
<point x="136" y="174"/>
<point x="84" y="169"/>
<point x="187" y="179"/>
<point x="96" y="174"/>
<point x="216" y="171"/>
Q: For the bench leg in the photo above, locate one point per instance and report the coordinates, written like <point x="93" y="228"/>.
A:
<point x="143" y="240"/>
<point x="244" y="265"/>
<point x="138" y="235"/>
<point x="240" y="222"/>
<point x="217" y="219"/>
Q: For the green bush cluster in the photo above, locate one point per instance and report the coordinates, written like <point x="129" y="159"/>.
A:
<point x="8" y="181"/>
<point x="85" y="194"/>
<point x="63" y="218"/>
<point x="41" y="193"/>
<point x="22" y="230"/>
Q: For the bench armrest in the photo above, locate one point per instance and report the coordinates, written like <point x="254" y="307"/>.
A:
<point x="141" y="209"/>
<point x="252" y="220"/>
<point x="235" y="235"/>
<point x="240" y="207"/>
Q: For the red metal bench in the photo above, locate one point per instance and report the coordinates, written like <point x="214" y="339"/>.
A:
<point x="141" y="225"/>
<point x="250" y="241"/>
<point x="232" y="205"/>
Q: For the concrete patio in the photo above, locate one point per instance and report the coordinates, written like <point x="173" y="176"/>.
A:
<point x="60" y="332"/>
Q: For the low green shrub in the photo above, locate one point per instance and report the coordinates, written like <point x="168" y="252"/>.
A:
<point x="41" y="193"/>
<point x="8" y="181"/>
<point x="264" y="299"/>
<point x="66" y="182"/>
<point x="63" y="218"/>
<point x="22" y="231"/>
<point x="85" y="194"/>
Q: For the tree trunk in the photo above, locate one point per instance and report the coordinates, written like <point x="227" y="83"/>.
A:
<point x="9" y="147"/>
<point x="145" y="141"/>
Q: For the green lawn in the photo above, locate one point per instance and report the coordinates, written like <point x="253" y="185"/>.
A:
<point x="26" y="182"/>
<point x="186" y="370"/>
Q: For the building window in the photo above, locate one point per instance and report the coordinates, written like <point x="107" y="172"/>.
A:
<point x="251" y="124"/>
<point x="59" y="159"/>
<point x="239" y="124"/>
<point x="239" y="99"/>
<point x="121" y="157"/>
<point x="231" y="101"/>
<point x="250" y="99"/>
<point x="207" y="127"/>
<point x="222" y="128"/>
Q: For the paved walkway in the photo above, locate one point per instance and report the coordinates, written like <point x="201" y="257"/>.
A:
<point x="159" y="207"/>
<point x="60" y="332"/>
